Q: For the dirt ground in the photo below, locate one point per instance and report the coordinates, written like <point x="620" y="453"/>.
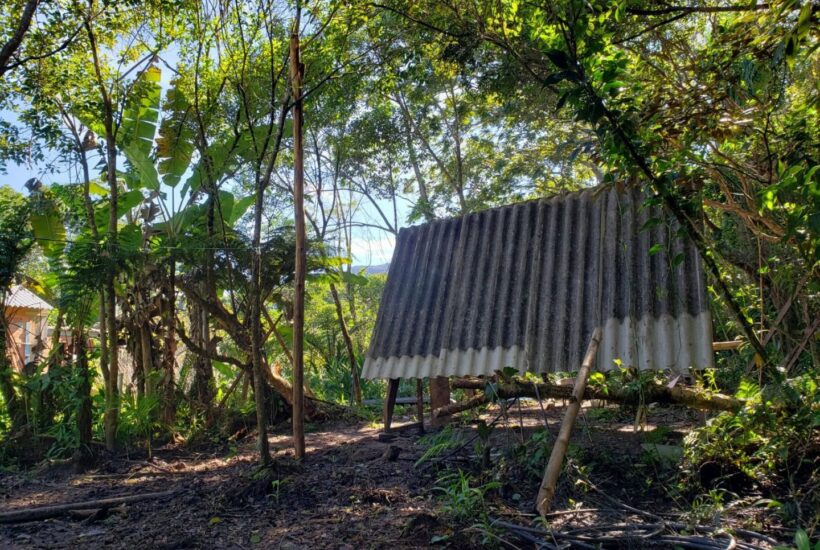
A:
<point x="353" y="490"/>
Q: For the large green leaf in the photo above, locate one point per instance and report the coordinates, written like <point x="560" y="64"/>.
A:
<point x="129" y="238"/>
<point x="226" y="204"/>
<point x="125" y="202"/>
<point x="49" y="231"/>
<point x="128" y="200"/>
<point x="141" y="112"/>
<point x="175" y="145"/>
<point x="142" y="167"/>
<point x="223" y="157"/>
<point x="97" y="189"/>
<point x="233" y="209"/>
<point x="239" y="208"/>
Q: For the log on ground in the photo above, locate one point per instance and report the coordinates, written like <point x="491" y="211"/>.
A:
<point x="45" y="512"/>
<point x="653" y="393"/>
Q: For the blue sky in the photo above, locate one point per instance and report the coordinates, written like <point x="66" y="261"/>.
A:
<point x="370" y="246"/>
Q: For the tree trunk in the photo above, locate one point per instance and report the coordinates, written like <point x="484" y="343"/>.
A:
<point x="13" y="43"/>
<point x="356" y="385"/>
<point x="296" y="73"/>
<point x="112" y="398"/>
<point x="112" y="404"/>
<point x="84" y="415"/>
<point x="146" y="357"/>
<point x="13" y="404"/>
<point x="202" y="388"/>
<point x="169" y="348"/>
<point x="259" y="394"/>
<point x="439" y="397"/>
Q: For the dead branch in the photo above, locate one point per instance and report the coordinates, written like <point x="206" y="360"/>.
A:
<point x="460" y="406"/>
<point x="44" y="512"/>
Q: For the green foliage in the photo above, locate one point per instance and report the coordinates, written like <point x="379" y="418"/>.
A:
<point x="5" y="419"/>
<point x="536" y="452"/>
<point x="138" y="419"/>
<point x="327" y="360"/>
<point x="461" y="498"/>
<point x="439" y="443"/>
<point x="769" y="443"/>
<point x="15" y="236"/>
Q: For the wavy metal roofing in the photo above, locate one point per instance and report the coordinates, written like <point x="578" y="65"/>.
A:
<point x="21" y="297"/>
<point x="525" y="285"/>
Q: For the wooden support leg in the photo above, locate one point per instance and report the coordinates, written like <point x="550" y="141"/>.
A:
<point x="547" y="489"/>
<point x="420" y="404"/>
<point x="439" y="397"/>
<point x="390" y="402"/>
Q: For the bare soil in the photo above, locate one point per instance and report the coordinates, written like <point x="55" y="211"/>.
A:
<point x="353" y="490"/>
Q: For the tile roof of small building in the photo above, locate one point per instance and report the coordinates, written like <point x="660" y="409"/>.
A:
<point x="21" y="297"/>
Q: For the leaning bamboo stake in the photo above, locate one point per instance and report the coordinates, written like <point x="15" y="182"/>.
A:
<point x="553" y="470"/>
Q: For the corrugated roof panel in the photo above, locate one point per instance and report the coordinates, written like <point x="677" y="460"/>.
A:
<point x="525" y="286"/>
<point x="21" y="297"/>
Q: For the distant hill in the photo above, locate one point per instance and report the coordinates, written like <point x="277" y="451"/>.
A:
<point x="371" y="269"/>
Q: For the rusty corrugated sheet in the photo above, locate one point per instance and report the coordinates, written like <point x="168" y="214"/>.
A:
<point x="525" y="285"/>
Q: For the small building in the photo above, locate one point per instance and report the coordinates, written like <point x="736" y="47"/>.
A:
<point x="27" y="334"/>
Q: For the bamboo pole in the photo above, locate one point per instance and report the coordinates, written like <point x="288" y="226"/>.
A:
<point x="553" y="470"/>
<point x="296" y="74"/>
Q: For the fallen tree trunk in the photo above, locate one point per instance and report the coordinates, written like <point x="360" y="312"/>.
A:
<point x="652" y="393"/>
<point x="44" y="512"/>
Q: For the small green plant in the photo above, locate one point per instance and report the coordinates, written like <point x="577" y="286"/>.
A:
<point x="275" y="487"/>
<point x="707" y="508"/>
<point x="138" y="419"/>
<point x="439" y="443"/>
<point x="536" y="451"/>
<point x="482" y="444"/>
<point x="460" y="499"/>
<point x="66" y="439"/>
<point x="801" y="542"/>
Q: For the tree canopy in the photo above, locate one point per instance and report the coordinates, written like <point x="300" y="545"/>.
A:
<point x="152" y="152"/>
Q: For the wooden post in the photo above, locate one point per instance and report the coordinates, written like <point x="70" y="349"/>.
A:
<point x="296" y="74"/>
<point x="553" y="470"/>
<point x="420" y="403"/>
<point x="439" y="397"/>
<point x="390" y="402"/>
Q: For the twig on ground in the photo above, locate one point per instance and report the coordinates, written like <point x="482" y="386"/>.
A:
<point x="593" y="536"/>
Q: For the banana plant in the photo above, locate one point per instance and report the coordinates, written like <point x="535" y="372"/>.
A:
<point x="160" y="163"/>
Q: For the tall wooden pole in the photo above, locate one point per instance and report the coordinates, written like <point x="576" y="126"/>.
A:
<point x="296" y="75"/>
